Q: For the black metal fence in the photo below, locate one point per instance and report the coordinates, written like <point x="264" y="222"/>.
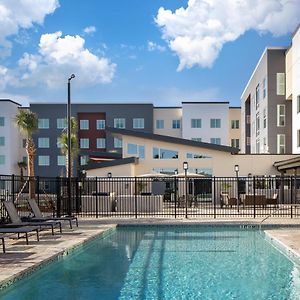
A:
<point x="172" y="196"/>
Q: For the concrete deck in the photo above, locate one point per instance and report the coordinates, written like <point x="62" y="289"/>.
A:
<point x="22" y="259"/>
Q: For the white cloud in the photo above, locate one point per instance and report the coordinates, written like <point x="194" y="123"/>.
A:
<point x="16" y="14"/>
<point x="155" y="47"/>
<point x="198" y="32"/>
<point x="58" y="57"/>
<point x="89" y="29"/>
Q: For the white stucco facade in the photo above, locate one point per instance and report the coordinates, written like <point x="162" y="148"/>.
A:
<point x="11" y="151"/>
<point x="205" y="111"/>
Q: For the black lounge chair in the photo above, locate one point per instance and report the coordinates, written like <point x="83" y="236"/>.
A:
<point x="17" y="222"/>
<point x="19" y="230"/>
<point x="38" y="216"/>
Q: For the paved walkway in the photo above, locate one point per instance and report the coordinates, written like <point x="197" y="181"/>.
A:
<point x="21" y="258"/>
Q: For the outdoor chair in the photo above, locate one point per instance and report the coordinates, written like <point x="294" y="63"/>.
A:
<point x="273" y="200"/>
<point x="17" y="222"/>
<point x="18" y="230"/>
<point x="38" y="216"/>
<point x="3" y="243"/>
<point x="225" y="200"/>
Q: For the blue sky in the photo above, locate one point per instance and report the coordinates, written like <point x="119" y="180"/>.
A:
<point x="133" y="51"/>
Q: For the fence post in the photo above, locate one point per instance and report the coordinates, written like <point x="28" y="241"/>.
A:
<point x="175" y="195"/>
<point x="13" y="187"/>
<point x="254" y="195"/>
<point x="58" y="197"/>
<point x="215" y="207"/>
<point x="292" y="194"/>
<point x="38" y="189"/>
<point x="135" y="196"/>
<point x="77" y="195"/>
<point x="97" y="202"/>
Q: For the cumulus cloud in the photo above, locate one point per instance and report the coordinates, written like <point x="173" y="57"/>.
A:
<point x="155" y="47"/>
<point x="198" y="32"/>
<point x="16" y="15"/>
<point x="89" y="29"/>
<point x="58" y="57"/>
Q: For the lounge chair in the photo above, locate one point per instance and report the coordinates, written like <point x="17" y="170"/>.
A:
<point x="3" y="243"/>
<point x="19" y="230"/>
<point x="17" y="222"/>
<point x="38" y="216"/>
<point x="272" y="200"/>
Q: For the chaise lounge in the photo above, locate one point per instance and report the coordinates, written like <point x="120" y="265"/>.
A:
<point x="38" y="216"/>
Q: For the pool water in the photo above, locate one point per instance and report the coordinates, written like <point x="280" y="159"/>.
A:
<point x="185" y="262"/>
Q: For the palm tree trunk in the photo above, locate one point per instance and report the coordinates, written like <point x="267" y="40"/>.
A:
<point x="30" y="148"/>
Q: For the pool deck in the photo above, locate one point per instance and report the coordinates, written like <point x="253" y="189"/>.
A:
<point x="21" y="259"/>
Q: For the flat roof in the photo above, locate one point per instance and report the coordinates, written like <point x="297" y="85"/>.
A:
<point x="90" y="103"/>
<point x="234" y="107"/>
<point x="166" y="107"/>
<point x="173" y="140"/>
<point x="206" y="102"/>
<point x="8" y="100"/>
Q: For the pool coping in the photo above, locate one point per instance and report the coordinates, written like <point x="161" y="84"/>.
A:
<point x="4" y="284"/>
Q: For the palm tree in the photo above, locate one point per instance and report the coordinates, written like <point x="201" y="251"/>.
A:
<point x="22" y="165"/>
<point x="27" y="122"/>
<point x="63" y="140"/>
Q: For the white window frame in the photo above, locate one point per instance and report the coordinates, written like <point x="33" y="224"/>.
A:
<point x="197" y="122"/>
<point x="280" y="84"/>
<point x="101" y="143"/>
<point x="214" y="123"/>
<point x="280" y="144"/>
<point x="118" y="143"/>
<point x="138" y="123"/>
<point x="2" y="160"/>
<point x="43" y="142"/>
<point x="280" y="116"/>
<point x="160" y="124"/>
<point x="298" y="104"/>
<point x="215" y="139"/>
<point x="43" y="123"/>
<point x="100" y="124"/>
<point x="84" y="143"/>
<point x="2" y="121"/>
<point x="176" y="124"/>
<point x="118" y="122"/>
<point x="61" y="123"/>
<point x="257" y="96"/>
<point x="2" y="141"/>
<point x="84" y="125"/>
<point x="61" y="160"/>
<point x="45" y="163"/>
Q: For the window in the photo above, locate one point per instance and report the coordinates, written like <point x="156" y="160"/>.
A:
<point x="160" y="124"/>
<point x="257" y="124"/>
<point x="101" y="143"/>
<point x="2" y="141"/>
<point x="257" y="96"/>
<point x="24" y="141"/>
<point x="265" y="118"/>
<point x="100" y="124"/>
<point x="235" y="124"/>
<point x="138" y="123"/>
<point x="118" y="143"/>
<point x="216" y="141"/>
<point x="196" y="156"/>
<point x="138" y="150"/>
<point x="215" y="123"/>
<point x="248" y="141"/>
<point x="196" y="123"/>
<point x="298" y="103"/>
<point x="43" y="142"/>
<point x="280" y="143"/>
<point x="235" y="143"/>
<point x="25" y="159"/>
<point x="176" y="124"/>
<point x="84" y="160"/>
<point x="61" y="123"/>
<point x="2" y="121"/>
<point x="281" y="115"/>
<point x="84" y="124"/>
<point x="2" y="159"/>
<point x="119" y="123"/>
<point x="43" y="123"/>
<point x="264" y="87"/>
<point x="159" y="153"/>
<point x="257" y="146"/>
<point x="61" y="160"/>
<point x="280" y="84"/>
<point x="44" y="160"/>
<point x="84" y="143"/>
<point x="58" y="143"/>
<point x="196" y="139"/>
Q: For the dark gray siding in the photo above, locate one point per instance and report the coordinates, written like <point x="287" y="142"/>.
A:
<point x="55" y="111"/>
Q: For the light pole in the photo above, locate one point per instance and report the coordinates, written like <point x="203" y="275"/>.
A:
<point x="69" y="146"/>
<point x="236" y="169"/>
<point x="185" y="168"/>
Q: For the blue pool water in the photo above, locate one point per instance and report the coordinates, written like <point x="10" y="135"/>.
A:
<point x="167" y="263"/>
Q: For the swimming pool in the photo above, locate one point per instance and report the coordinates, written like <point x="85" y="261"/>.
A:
<point x="167" y="262"/>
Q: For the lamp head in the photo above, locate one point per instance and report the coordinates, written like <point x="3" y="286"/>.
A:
<point x="109" y="175"/>
<point x="236" y="168"/>
<point x="71" y="77"/>
<point x="185" y="165"/>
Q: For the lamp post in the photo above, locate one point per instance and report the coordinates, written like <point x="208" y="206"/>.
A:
<point x="185" y="168"/>
<point x="236" y="169"/>
<point x="69" y="145"/>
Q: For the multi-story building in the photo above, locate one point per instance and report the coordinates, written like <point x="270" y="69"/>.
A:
<point x="12" y="146"/>
<point x="92" y="120"/>
<point x="266" y="115"/>
<point x="293" y="87"/>
<point x="234" y="127"/>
